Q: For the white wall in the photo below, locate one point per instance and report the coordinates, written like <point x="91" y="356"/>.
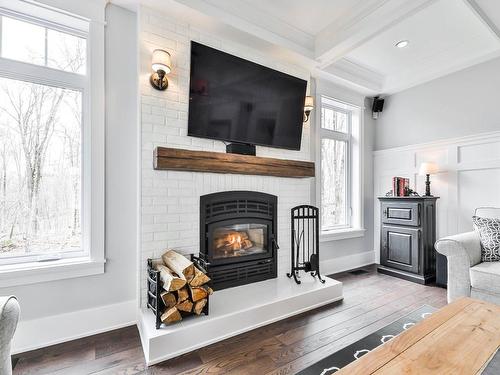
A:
<point x="453" y="121"/>
<point x="170" y="199"/>
<point x="469" y="177"/>
<point x="58" y="310"/>
<point x="460" y="104"/>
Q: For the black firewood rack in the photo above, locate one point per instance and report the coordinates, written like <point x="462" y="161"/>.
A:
<point x="305" y="242"/>
<point x="154" y="288"/>
<point x="155" y="303"/>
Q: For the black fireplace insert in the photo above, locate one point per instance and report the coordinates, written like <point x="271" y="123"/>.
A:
<point x="238" y="241"/>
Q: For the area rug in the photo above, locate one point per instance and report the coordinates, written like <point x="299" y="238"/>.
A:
<point x="343" y="357"/>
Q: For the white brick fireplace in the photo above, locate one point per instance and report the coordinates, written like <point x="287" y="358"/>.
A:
<point x="170" y="199"/>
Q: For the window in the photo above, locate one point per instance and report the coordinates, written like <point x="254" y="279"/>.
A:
<point x="44" y="96"/>
<point x="335" y="152"/>
<point x="339" y="152"/>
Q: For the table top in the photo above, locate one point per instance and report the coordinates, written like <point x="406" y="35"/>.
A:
<point x="460" y="338"/>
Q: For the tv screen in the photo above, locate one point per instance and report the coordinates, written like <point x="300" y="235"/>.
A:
<point x="235" y="100"/>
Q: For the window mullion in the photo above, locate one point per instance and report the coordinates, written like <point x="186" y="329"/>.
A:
<point x="46" y="47"/>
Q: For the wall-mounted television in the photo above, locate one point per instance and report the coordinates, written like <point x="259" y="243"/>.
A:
<point x="235" y="100"/>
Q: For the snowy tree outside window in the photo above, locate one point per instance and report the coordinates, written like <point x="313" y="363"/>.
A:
<point x="335" y="151"/>
<point x="40" y="140"/>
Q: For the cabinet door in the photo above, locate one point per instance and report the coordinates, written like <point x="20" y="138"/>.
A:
<point x="401" y="213"/>
<point x="400" y="248"/>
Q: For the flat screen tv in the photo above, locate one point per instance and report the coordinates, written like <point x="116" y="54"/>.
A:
<point x="235" y="100"/>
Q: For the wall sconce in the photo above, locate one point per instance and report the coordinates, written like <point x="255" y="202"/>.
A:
<point x="308" y="107"/>
<point x="161" y="65"/>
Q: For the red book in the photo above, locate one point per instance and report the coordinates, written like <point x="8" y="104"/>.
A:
<point x="407" y="186"/>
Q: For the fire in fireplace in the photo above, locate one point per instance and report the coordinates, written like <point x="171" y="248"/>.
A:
<point x="238" y="241"/>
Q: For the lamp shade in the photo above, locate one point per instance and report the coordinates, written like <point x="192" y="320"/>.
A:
<point x="161" y="61"/>
<point x="428" y="168"/>
<point x="309" y="103"/>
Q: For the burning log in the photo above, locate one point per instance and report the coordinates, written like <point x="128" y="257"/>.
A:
<point x="231" y="241"/>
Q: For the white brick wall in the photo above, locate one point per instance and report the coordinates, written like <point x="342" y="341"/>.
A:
<point x="170" y="199"/>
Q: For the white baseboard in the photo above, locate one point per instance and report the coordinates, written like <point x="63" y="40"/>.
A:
<point x="348" y="262"/>
<point x="55" y="329"/>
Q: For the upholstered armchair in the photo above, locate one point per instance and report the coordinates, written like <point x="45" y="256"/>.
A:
<point x="9" y="316"/>
<point x="467" y="275"/>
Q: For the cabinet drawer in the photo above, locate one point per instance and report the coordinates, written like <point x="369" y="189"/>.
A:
<point x="400" y="248"/>
<point x="403" y="213"/>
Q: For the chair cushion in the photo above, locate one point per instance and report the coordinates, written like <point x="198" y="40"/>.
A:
<point x="486" y="276"/>
<point x="489" y="233"/>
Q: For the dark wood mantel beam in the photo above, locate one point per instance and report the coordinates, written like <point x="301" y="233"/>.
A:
<point x="218" y="162"/>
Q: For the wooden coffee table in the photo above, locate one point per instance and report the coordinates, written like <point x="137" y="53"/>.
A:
<point x="460" y="338"/>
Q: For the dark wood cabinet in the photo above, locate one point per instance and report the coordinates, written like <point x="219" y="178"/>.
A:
<point x="407" y="236"/>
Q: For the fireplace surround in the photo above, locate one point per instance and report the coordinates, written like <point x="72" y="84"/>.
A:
<point x="238" y="240"/>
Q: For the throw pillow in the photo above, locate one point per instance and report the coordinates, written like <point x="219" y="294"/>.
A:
<point x="489" y="233"/>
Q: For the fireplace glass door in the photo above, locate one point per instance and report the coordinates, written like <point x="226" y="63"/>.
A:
<point x="230" y="240"/>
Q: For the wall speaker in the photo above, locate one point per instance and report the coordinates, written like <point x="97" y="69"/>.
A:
<point x="377" y="107"/>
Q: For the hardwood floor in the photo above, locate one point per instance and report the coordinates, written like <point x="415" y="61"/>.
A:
<point x="371" y="301"/>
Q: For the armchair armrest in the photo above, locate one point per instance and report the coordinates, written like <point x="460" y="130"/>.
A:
<point x="462" y="251"/>
<point x="9" y="316"/>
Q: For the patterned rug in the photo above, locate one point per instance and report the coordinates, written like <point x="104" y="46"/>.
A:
<point x="343" y="357"/>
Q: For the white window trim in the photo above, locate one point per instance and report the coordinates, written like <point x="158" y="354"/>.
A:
<point x="355" y="172"/>
<point x="93" y="138"/>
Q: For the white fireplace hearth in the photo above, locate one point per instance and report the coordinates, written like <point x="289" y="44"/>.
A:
<point x="234" y="311"/>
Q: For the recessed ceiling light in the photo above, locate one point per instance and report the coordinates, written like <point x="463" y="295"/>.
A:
<point x="402" y="43"/>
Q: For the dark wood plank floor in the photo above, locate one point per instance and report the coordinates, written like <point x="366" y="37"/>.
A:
<point x="371" y="301"/>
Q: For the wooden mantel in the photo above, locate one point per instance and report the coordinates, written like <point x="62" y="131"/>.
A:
<point x="218" y="162"/>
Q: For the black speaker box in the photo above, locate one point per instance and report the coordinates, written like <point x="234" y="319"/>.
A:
<point x="378" y="104"/>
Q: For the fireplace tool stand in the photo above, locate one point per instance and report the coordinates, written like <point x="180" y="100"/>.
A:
<point x="305" y="242"/>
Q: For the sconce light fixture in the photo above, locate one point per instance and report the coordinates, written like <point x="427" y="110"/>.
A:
<point x="308" y="107"/>
<point x="161" y="65"/>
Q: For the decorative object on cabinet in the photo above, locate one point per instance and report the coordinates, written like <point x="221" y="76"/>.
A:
<point x="426" y="169"/>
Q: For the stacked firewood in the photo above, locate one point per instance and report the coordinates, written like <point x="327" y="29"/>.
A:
<point x="184" y="287"/>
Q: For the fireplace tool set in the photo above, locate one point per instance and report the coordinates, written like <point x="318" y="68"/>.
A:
<point x="305" y="242"/>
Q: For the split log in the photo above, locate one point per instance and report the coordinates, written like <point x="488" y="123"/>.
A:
<point x="170" y="282"/>
<point x="168" y="299"/>
<point x="172" y="315"/>
<point x="186" y="306"/>
<point x="182" y="294"/>
<point x="199" y="278"/>
<point x="209" y="290"/>
<point x="198" y="293"/>
<point x="179" y="264"/>
<point x="198" y="306"/>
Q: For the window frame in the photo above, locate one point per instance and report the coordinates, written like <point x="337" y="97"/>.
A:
<point x="90" y="260"/>
<point x="342" y="137"/>
<point x="355" y="162"/>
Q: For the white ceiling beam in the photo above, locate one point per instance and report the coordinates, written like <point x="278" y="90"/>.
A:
<point x="481" y="15"/>
<point x="334" y="42"/>
<point x="357" y="74"/>
<point x="242" y="18"/>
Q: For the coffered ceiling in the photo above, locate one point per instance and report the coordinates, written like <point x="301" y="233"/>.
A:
<point x="353" y="42"/>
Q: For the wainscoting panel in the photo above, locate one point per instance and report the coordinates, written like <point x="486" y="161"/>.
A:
<point x="468" y="177"/>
